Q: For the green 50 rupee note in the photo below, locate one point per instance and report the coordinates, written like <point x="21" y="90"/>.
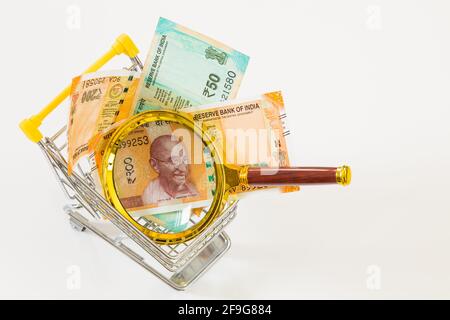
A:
<point x="186" y="69"/>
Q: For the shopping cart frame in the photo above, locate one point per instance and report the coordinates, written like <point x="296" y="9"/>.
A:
<point x="176" y="265"/>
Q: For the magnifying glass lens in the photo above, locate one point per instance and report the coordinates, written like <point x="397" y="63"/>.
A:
<point x="164" y="176"/>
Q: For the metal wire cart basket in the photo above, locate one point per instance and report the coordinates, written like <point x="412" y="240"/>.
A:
<point x="177" y="265"/>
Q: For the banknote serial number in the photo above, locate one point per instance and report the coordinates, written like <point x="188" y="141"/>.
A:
<point x="228" y="85"/>
<point x="96" y="81"/>
<point x="134" y="142"/>
<point x="212" y="85"/>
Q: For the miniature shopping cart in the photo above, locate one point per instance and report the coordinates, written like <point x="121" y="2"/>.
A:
<point x="177" y="265"/>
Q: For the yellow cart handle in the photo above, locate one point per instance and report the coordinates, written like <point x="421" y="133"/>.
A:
<point x="30" y="126"/>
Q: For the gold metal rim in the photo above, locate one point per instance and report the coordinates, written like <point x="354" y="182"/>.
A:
<point x="108" y="176"/>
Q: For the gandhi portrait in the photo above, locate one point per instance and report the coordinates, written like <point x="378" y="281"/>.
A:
<point x="168" y="157"/>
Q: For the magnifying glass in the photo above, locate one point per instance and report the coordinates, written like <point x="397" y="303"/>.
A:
<point x="166" y="175"/>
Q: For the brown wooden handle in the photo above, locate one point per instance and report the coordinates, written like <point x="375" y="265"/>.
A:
<point x="298" y="175"/>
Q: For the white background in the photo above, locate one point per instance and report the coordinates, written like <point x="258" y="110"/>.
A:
<point x="366" y="83"/>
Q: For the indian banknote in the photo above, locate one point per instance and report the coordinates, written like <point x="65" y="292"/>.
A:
<point x="185" y="68"/>
<point x="98" y="100"/>
<point x="250" y="132"/>
<point x="160" y="168"/>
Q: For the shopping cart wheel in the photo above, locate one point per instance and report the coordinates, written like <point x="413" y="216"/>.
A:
<point x="76" y="225"/>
